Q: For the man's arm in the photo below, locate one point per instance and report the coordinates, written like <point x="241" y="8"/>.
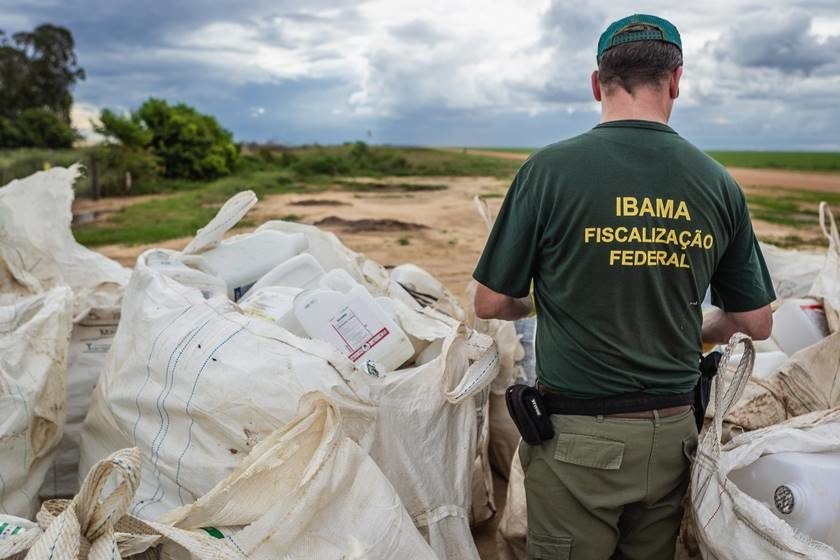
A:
<point x="493" y="305"/>
<point x="719" y="325"/>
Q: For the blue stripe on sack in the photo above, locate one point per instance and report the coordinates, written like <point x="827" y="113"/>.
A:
<point x="57" y="536"/>
<point x="161" y="407"/>
<point x="187" y="409"/>
<point x="149" y="373"/>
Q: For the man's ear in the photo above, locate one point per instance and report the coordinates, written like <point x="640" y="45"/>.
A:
<point x="674" y="82"/>
<point x="596" y="86"/>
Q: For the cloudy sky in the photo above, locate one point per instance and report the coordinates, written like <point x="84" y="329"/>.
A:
<point x="758" y="74"/>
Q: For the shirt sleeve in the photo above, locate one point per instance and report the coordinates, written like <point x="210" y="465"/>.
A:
<point x="742" y="281"/>
<point x="507" y="263"/>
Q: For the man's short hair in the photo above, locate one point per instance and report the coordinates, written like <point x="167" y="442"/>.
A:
<point x="638" y="64"/>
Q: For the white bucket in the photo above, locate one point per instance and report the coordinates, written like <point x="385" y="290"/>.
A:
<point x="799" y="323"/>
<point x="799" y="488"/>
<point x="241" y="261"/>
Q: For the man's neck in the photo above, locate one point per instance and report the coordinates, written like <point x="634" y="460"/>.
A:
<point x="645" y="105"/>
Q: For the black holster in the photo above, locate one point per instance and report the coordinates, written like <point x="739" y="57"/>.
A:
<point x="703" y="390"/>
<point x="528" y="411"/>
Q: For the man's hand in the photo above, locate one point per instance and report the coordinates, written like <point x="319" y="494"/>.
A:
<point x="493" y="305"/>
<point x="719" y="326"/>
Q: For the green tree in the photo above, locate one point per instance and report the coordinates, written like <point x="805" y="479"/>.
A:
<point x="190" y="145"/>
<point x="37" y="70"/>
<point x="128" y="131"/>
<point x="41" y="128"/>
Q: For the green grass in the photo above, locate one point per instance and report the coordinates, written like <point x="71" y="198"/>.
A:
<point x="180" y="214"/>
<point x="798" y="161"/>
<point x="789" y="207"/>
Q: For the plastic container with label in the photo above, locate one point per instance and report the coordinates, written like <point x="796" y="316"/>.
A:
<point x="302" y="272"/>
<point x="275" y="304"/>
<point x="799" y="323"/>
<point x="799" y="488"/>
<point x="241" y="261"/>
<point x="344" y="314"/>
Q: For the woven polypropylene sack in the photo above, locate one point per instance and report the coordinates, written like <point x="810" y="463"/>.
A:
<point x="806" y="382"/>
<point x="728" y="524"/>
<point x="37" y="253"/>
<point x="305" y="491"/>
<point x="34" y="337"/>
<point x="195" y="383"/>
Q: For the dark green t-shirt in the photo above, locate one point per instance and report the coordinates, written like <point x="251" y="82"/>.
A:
<point x="622" y="229"/>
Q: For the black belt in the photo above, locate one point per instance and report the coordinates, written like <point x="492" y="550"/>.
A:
<point x="556" y="403"/>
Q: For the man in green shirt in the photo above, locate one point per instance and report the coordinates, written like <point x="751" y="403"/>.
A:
<point x="621" y="230"/>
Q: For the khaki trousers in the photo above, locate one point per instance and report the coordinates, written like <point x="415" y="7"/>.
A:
<point x="608" y="487"/>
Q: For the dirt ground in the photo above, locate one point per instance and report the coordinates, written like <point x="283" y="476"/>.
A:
<point x="437" y="230"/>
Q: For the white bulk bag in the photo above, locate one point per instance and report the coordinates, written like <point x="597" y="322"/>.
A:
<point x="728" y="523"/>
<point x="792" y="271"/>
<point x="34" y="336"/>
<point x="37" y="253"/>
<point x="195" y="383"/>
<point x="306" y="491"/>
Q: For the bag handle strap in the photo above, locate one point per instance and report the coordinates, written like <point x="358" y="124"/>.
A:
<point x="89" y="517"/>
<point x="726" y="397"/>
<point x="228" y="216"/>
<point x="485" y="355"/>
<point x="833" y="236"/>
<point x="484" y="211"/>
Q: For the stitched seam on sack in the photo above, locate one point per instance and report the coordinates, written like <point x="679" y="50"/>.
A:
<point x="187" y="410"/>
<point x="149" y="373"/>
<point x="185" y="341"/>
<point x="720" y="503"/>
<point x="478" y="378"/>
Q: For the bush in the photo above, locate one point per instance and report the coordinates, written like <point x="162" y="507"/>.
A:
<point x="41" y="128"/>
<point x="189" y="144"/>
<point x="128" y="131"/>
<point x="9" y="134"/>
<point x="113" y="161"/>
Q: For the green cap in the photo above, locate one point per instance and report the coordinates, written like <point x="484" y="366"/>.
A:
<point x="664" y="31"/>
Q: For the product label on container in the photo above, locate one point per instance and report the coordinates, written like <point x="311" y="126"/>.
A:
<point x="359" y="330"/>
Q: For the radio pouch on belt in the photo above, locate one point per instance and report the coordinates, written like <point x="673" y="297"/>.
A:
<point x="526" y="407"/>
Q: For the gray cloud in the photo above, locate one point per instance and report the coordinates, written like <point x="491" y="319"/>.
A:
<point x="779" y="41"/>
<point x="496" y="73"/>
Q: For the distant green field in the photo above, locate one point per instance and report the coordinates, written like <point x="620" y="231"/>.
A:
<point x="796" y="161"/>
<point x="799" y="161"/>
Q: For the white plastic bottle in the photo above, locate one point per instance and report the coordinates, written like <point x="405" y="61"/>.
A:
<point x="302" y="272"/>
<point x="799" y="323"/>
<point x="344" y="314"/>
<point x="275" y="304"/>
<point x="241" y="261"/>
<point x="170" y="264"/>
<point x="799" y="488"/>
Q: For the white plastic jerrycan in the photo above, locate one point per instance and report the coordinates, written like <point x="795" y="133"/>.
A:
<point x="241" y="261"/>
<point x="799" y="488"/>
<point x="170" y="264"/>
<point x="302" y="272"/>
<point x="799" y="323"/>
<point x="343" y="313"/>
<point x="274" y="304"/>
